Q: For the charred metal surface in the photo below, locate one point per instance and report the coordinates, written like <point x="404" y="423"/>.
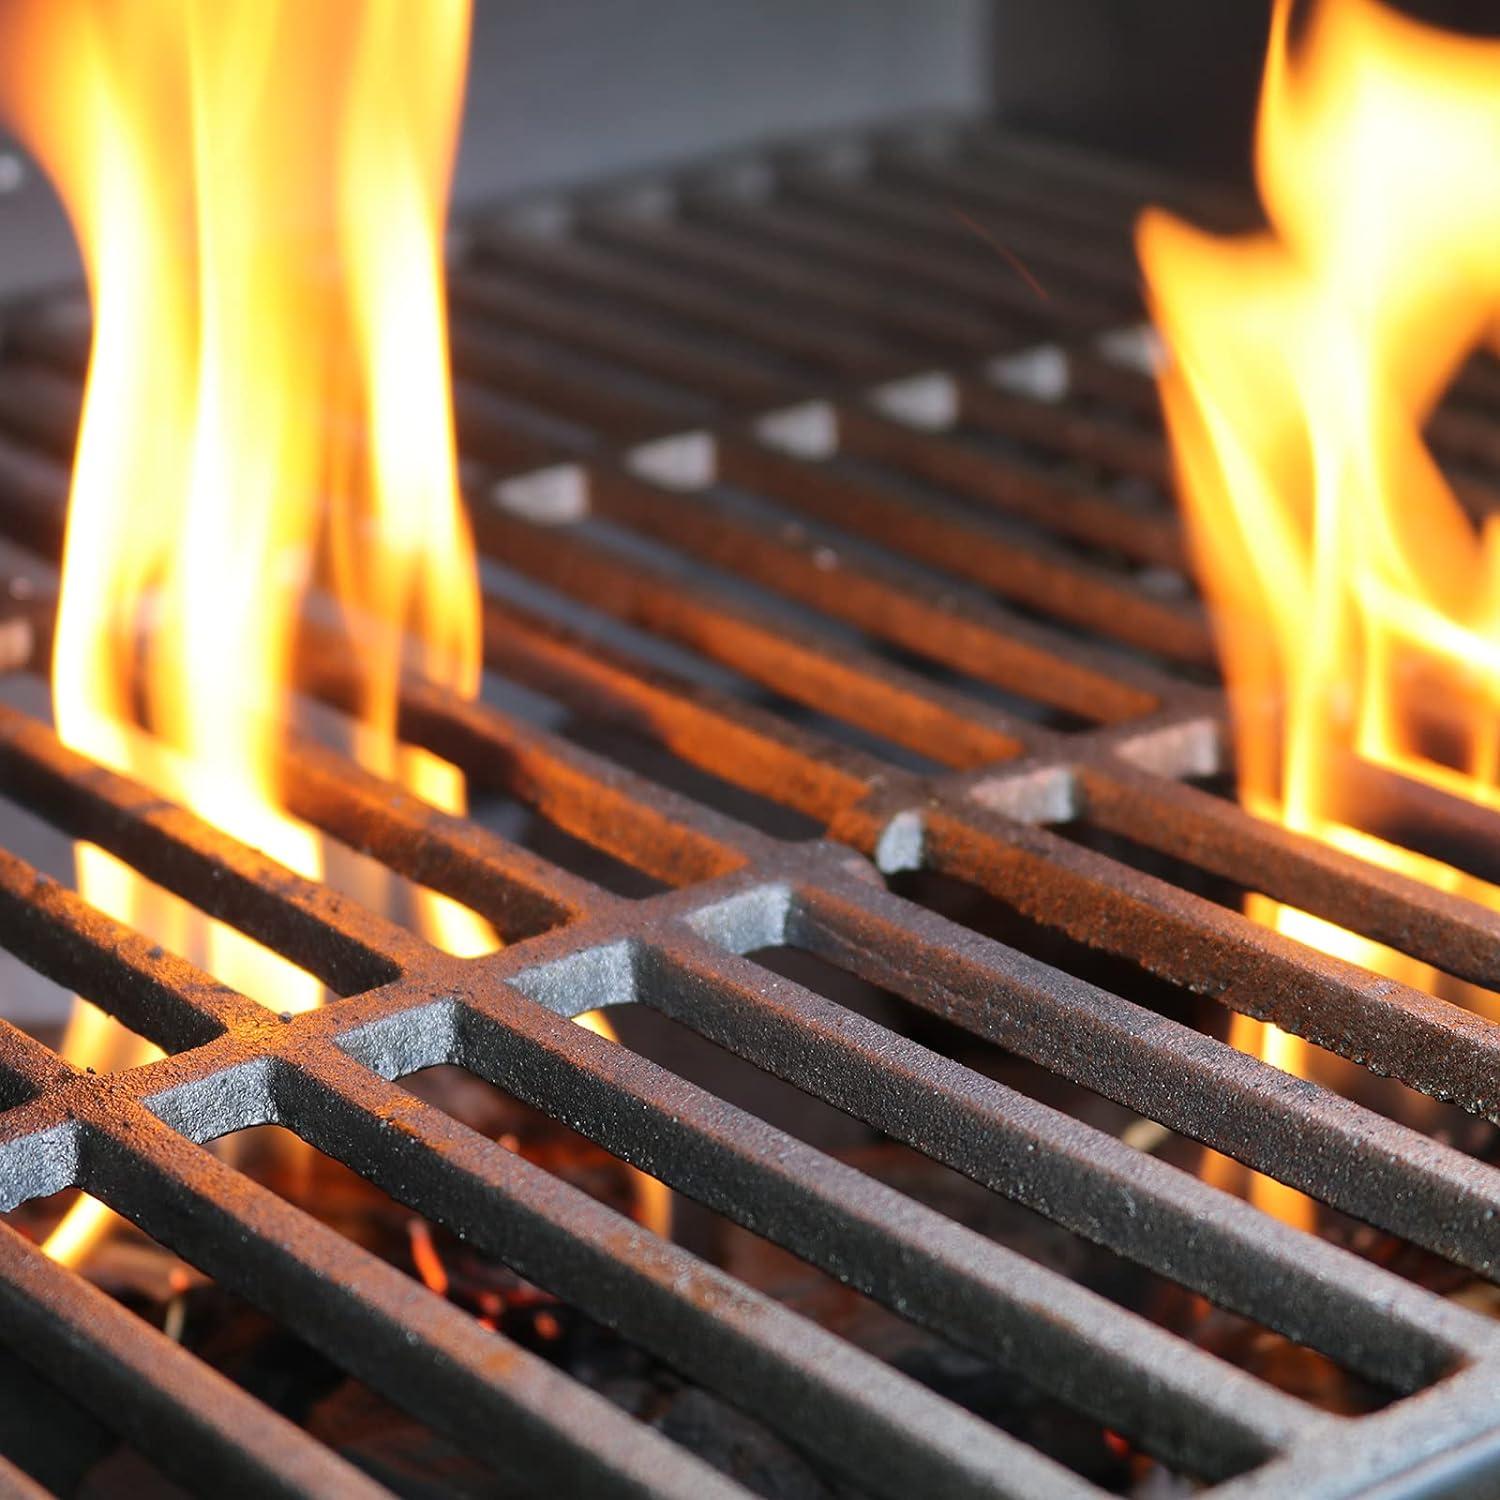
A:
<point x="788" y="476"/>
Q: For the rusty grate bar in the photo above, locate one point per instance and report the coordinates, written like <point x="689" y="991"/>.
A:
<point x="781" y="477"/>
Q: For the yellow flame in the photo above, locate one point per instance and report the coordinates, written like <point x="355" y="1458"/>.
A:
<point x="1355" y="600"/>
<point x="258" y="188"/>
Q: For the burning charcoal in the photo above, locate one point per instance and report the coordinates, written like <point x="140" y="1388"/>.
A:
<point x="1000" y="1396"/>
<point x="254" y="1352"/>
<point x="409" y="1459"/>
<point x="739" y="1447"/>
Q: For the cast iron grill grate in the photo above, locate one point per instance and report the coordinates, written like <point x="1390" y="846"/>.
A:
<point x="784" y="470"/>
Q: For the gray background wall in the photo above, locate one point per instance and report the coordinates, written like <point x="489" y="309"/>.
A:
<point x="1173" y="81"/>
<point x="576" y="88"/>
<point x="562" y="90"/>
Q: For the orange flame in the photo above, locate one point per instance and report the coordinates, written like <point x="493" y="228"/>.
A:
<point x="1355" y="599"/>
<point x="425" y="1258"/>
<point x="258" y="188"/>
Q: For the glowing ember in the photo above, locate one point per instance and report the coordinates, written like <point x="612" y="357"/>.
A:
<point x="258" y="189"/>
<point x="424" y="1256"/>
<point x="1356" y="602"/>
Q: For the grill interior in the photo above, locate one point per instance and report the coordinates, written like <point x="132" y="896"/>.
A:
<point x="836" y="626"/>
